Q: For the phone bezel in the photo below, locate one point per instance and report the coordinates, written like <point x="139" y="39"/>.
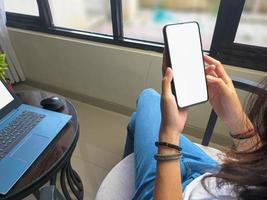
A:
<point x="170" y="65"/>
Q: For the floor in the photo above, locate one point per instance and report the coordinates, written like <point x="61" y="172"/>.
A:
<point x="100" y="146"/>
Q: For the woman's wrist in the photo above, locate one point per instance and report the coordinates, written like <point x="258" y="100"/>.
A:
<point x="171" y="137"/>
<point x="241" y="125"/>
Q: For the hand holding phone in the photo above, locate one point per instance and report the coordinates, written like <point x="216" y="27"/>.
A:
<point x="184" y="56"/>
<point x="173" y="119"/>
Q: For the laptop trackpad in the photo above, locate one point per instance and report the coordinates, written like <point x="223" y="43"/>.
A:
<point x="31" y="149"/>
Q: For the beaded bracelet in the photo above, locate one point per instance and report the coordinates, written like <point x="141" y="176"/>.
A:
<point x="245" y="135"/>
<point x="167" y="157"/>
<point x="169" y="145"/>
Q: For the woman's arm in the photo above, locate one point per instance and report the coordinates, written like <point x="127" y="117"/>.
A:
<point x="168" y="177"/>
<point x="226" y="104"/>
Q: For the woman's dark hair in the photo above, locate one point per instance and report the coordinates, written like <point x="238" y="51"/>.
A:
<point x="246" y="171"/>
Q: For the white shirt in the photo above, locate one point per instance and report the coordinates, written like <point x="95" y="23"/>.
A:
<point x="195" y="190"/>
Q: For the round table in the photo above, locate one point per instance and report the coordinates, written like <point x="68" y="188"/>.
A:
<point x="54" y="160"/>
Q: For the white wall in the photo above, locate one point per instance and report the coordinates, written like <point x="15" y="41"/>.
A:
<point x="106" y="72"/>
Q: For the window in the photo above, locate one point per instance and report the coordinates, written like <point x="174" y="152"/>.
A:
<point x="232" y="30"/>
<point x="253" y="24"/>
<point x="27" y="7"/>
<point x="85" y="15"/>
<point x="144" y="19"/>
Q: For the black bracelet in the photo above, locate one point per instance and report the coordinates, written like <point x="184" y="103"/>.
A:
<point x="166" y="144"/>
<point x="167" y="157"/>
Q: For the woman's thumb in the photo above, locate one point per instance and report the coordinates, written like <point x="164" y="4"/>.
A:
<point x="166" y="82"/>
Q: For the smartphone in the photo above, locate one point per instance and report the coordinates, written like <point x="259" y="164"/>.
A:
<point x="184" y="55"/>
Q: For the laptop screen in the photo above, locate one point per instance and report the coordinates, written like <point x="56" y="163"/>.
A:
<point x="5" y="96"/>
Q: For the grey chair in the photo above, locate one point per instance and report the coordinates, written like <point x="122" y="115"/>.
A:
<point x="119" y="184"/>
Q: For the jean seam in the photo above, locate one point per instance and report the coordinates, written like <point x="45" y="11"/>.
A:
<point x="188" y="169"/>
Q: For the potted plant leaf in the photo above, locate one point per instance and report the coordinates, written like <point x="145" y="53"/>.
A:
<point x="3" y="68"/>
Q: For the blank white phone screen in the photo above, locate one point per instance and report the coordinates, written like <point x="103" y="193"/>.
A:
<point x="187" y="63"/>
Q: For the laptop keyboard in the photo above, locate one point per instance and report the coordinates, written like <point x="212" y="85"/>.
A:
<point x="16" y="130"/>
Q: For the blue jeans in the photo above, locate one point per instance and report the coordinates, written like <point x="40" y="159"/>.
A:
<point x="143" y="131"/>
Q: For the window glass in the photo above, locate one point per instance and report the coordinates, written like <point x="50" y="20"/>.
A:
<point x="27" y="7"/>
<point x="144" y="19"/>
<point x="253" y="24"/>
<point x="85" y="15"/>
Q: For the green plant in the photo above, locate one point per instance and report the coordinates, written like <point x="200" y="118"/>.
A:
<point x="3" y="66"/>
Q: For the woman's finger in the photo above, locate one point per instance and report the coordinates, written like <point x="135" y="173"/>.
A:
<point x="166" y="83"/>
<point x="218" y="82"/>
<point x="164" y="62"/>
<point x="211" y="73"/>
<point x="220" y="71"/>
<point x="208" y="66"/>
<point x="211" y="61"/>
<point x="210" y="70"/>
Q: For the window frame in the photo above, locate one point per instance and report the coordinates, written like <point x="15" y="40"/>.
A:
<point x="222" y="47"/>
